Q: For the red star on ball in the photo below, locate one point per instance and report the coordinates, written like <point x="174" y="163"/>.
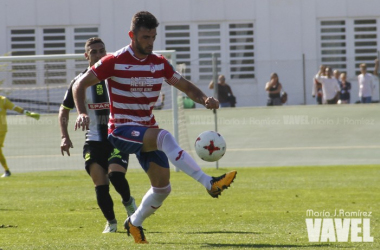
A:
<point x="211" y="148"/>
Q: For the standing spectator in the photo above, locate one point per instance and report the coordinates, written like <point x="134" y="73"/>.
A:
<point x="366" y="84"/>
<point x="317" y="86"/>
<point x="6" y="104"/>
<point x="225" y="96"/>
<point x="337" y="74"/>
<point x="330" y="86"/>
<point x="345" y="88"/>
<point x="376" y="70"/>
<point x="274" y="87"/>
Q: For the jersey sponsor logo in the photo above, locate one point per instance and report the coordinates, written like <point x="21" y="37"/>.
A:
<point x="142" y="84"/>
<point x="99" y="89"/>
<point x="99" y="106"/>
<point x="135" y="133"/>
<point x="128" y="66"/>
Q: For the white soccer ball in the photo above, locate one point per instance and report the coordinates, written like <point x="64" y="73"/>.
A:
<point x="210" y="146"/>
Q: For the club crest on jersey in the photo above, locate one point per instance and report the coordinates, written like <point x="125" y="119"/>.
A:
<point x="135" y="133"/>
<point x="99" y="89"/>
<point x="152" y="68"/>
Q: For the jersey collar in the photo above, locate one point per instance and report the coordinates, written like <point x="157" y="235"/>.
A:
<point x="130" y="50"/>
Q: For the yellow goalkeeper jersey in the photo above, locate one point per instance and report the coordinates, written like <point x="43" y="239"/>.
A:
<point x="4" y="105"/>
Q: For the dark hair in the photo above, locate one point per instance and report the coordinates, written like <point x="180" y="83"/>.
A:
<point x="92" y="41"/>
<point x="143" y="19"/>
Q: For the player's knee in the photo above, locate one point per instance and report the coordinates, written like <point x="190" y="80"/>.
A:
<point x="163" y="192"/>
<point x="166" y="141"/>
<point x="101" y="190"/>
<point x="117" y="178"/>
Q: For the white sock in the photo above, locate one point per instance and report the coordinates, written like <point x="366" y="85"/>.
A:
<point x="181" y="159"/>
<point x="151" y="201"/>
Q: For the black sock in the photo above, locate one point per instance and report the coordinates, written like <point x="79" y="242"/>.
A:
<point x="121" y="185"/>
<point x="105" y="201"/>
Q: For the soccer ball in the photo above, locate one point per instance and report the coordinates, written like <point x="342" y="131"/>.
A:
<point x="210" y="146"/>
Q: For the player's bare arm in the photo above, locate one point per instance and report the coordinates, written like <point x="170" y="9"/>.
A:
<point x="79" y="94"/>
<point x="196" y="94"/>
<point x="66" y="143"/>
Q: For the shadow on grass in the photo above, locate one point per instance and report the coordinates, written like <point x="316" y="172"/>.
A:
<point x="8" y="209"/>
<point x="208" y="232"/>
<point x="234" y="246"/>
<point x="225" y="232"/>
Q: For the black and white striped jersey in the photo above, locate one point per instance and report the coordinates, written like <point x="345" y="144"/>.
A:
<point x="97" y="104"/>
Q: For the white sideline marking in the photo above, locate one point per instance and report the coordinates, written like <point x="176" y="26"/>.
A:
<point x="230" y="149"/>
<point x="304" y="148"/>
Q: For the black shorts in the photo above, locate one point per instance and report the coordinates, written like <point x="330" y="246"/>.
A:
<point x="104" y="154"/>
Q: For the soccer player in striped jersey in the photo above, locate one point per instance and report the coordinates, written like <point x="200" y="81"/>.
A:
<point x="103" y="162"/>
<point x="134" y="76"/>
<point x="6" y="104"/>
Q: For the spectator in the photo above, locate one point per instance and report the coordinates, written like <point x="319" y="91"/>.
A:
<point x="225" y="96"/>
<point x="345" y="88"/>
<point x="274" y="87"/>
<point x="330" y="86"/>
<point x="336" y="74"/>
<point x="366" y="84"/>
<point x="376" y="70"/>
<point x="317" y="86"/>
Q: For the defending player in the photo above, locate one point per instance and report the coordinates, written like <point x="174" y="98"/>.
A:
<point x="134" y="78"/>
<point x="103" y="162"/>
<point x="6" y="104"/>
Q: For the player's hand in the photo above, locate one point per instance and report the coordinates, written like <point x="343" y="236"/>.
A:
<point x="32" y="114"/>
<point x="83" y="121"/>
<point x="211" y="103"/>
<point x="66" y="144"/>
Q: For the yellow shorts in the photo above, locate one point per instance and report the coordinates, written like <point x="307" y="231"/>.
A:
<point x="2" y="138"/>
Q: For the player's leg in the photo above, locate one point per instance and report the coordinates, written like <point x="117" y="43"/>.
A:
<point x="96" y="166"/>
<point x="117" y="168"/>
<point x="3" y="161"/>
<point x="164" y="141"/>
<point x="156" y="165"/>
<point x="158" y="192"/>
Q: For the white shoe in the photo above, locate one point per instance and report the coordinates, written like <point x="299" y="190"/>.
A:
<point x="110" y="228"/>
<point x="130" y="206"/>
<point x="6" y="174"/>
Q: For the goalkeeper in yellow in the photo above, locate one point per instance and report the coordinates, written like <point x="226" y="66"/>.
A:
<point x="6" y="104"/>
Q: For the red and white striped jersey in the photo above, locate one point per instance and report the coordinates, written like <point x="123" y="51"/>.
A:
<point x="133" y="85"/>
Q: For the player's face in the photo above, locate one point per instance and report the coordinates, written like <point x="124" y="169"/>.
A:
<point x="143" y="41"/>
<point x="95" y="52"/>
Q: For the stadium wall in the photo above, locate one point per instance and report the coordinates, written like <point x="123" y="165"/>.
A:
<point x="284" y="31"/>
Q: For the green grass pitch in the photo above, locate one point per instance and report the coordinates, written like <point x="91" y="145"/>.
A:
<point x="265" y="208"/>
